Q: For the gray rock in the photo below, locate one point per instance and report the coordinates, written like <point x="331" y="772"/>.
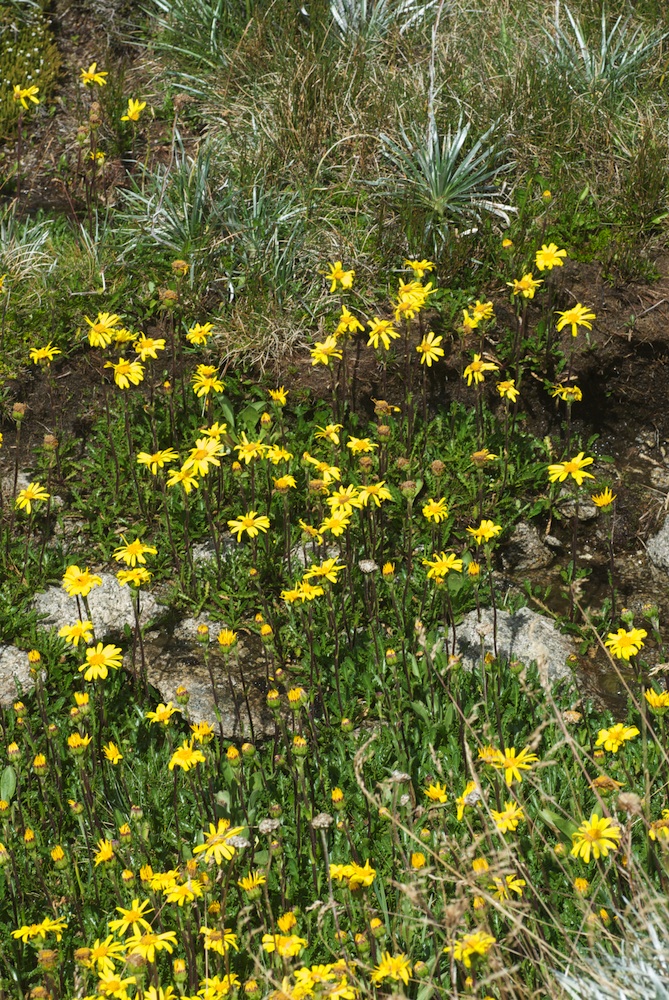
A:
<point x="657" y="547"/>
<point x="525" y="549"/>
<point x="14" y="674"/>
<point x="552" y="542"/>
<point x="110" y="604"/>
<point x="205" y="552"/>
<point x="659" y="477"/>
<point x="22" y="481"/>
<point x="177" y="657"/>
<point x="71" y="532"/>
<point x="304" y="555"/>
<point x="525" y="636"/>
<point x="647" y="439"/>
<point x="585" y="509"/>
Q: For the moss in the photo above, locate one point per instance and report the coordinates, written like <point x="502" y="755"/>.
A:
<point x="28" y="56"/>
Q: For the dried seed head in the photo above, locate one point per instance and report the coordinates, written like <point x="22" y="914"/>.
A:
<point x="630" y="803"/>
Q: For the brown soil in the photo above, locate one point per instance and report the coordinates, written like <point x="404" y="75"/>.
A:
<point x="623" y="373"/>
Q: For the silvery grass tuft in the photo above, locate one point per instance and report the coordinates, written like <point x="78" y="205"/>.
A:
<point x="614" y="62"/>
<point x="24" y="246"/>
<point x="639" y="971"/>
<point x="192" y="210"/>
<point x="450" y="183"/>
<point x="174" y="207"/>
<point x="372" y="20"/>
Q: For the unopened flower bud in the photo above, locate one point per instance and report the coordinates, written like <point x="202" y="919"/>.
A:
<point x="361" y="943"/>
<point x="273" y="699"/>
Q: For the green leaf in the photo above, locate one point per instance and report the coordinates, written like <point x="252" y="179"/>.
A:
<point x="8" y="783"/>
<point x="565" y="826"/>
<point x="250" y="415"/>
<point x="422" y="711"/>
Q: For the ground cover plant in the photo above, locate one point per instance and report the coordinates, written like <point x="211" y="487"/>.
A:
<point x="238" y="322"/>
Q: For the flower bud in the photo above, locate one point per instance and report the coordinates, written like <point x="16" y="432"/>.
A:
<point x="58" y="857"/>
<point x="273" y="699"/>
<point x="361" y="943"/>
<point x="338" y="801"/>
<point x="40" y="765"/>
